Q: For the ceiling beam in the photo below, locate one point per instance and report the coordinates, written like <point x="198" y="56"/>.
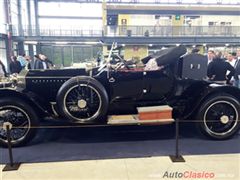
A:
<point x="72" y="1"/>
<point x="70" y="17"/>
<point x="182" y="12"/>
<point x="136" y="40"/>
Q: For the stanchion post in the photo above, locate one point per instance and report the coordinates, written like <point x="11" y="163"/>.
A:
<point x="177" y="157"/>
<point x="11" y="166"/>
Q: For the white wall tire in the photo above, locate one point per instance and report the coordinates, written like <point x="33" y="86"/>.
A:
<point x="23" y="119"/>
<point x="219" y="117"/>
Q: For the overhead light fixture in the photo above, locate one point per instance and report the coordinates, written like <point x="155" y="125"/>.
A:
<point x="193" y="46"/>
<point x="61" y="42"/>
<point x="123" y="45"/>
<point x="30" y="42"/>
<point x="150" y="45"/>
<point x="91" y="42"/>
<point x="87" y="43"/>
<point x="226" y="45"/>
<point x="177" y="44"/>
<point x="204" y="44"/>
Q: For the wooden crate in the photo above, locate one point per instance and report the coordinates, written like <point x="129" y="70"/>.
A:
<point x="154" y="112"/>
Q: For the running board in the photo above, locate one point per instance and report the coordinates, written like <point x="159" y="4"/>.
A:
<point x="146" y="115"/>
<point x="134" y="120"/>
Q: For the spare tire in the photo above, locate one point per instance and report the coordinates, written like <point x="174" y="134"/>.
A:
<point x="82" y="99"/>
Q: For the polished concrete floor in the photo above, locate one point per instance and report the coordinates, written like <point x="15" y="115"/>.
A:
<point x="223" y="167"/>
<point x="122" y="153"/>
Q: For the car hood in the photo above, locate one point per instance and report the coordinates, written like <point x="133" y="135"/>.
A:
<point x="60" y="73"/>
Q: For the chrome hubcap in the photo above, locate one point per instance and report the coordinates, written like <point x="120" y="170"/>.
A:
<point x="82" y="103"/>
<point x="17" y="120"/>
<point x="224" y="119"/>
<point x="5" y="124"/>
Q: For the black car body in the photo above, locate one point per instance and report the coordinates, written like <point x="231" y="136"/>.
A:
<point x="88" y="96"/>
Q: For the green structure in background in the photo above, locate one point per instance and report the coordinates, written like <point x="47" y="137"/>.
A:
<point x="68" y="55"/>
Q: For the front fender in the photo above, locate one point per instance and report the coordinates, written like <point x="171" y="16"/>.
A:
<point x="31" y="99"/>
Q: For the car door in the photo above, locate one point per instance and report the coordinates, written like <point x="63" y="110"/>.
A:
<point x="126" y="84"/>
<point x="157" y="84"/>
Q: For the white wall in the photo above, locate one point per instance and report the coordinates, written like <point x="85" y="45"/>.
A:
<point x="2" y="18"/>
<point x="149" y="20"/>
<point x="142" y="20"/>
<point x="3" y="52"/>
<point x="235" y="20"/>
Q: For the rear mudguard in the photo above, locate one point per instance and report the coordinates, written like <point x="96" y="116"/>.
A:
<point x="194" y="104"/>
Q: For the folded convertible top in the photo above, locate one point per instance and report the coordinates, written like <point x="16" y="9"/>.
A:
<point x="167" y="56"/>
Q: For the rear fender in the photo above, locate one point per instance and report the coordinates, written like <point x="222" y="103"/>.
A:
<point x="216" y="89"/>
<point x="209" y="91"/>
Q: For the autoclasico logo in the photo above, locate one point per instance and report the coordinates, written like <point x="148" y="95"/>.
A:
<point x="189" y="175"/>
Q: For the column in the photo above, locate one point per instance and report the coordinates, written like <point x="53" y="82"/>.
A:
<point x="20" y="27"/>
<point x="36" y="18"/>
<point x="20" y="48"/>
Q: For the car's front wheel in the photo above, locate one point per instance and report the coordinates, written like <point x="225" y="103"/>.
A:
<point x="218" y="117"/>
<point x="21" y="117"/>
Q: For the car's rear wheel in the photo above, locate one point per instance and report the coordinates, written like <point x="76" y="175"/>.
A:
<point x="219" y="117"/>
<point x="21" y="117"/>
<point x="82" y="100"/>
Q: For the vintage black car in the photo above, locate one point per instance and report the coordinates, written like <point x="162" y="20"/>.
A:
<point x="89" y="96"/>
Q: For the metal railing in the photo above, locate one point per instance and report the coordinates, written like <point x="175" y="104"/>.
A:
<point x="168" y="31"/>
<point x="134" y="31"/>
<point x="198" y="2"/>
<point x="82" y="32"/>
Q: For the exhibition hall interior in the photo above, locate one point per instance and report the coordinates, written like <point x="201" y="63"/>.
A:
<point x="119" y="89"/>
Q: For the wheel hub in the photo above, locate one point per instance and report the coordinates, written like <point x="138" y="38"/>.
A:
<point x="13" y="116"/>
<point x="224" y="119"/>
<point x="5" y="124"/>
<point x="82" y="103"/>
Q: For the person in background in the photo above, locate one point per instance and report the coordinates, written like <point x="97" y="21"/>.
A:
<point x="3" y="72"/>
<point x="234" y="54"/>
<point x="49" y="63"/>
<point x="38" y="64"/>
<point x="195" y="51"/>
<point x="225" y="55"/>
<point x="22" y="60"/>
<point x="231" y="60"/>
<point x="218" y="68"/>
<point x="44" y="61"/>
<point x="210" y="55"/>
<point x="30" y="63"/>
<point x="237" y="70"/>
<point x="15" y="66"/>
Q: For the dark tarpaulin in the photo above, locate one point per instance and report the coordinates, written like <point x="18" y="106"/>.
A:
<point x="167" y="56"/>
